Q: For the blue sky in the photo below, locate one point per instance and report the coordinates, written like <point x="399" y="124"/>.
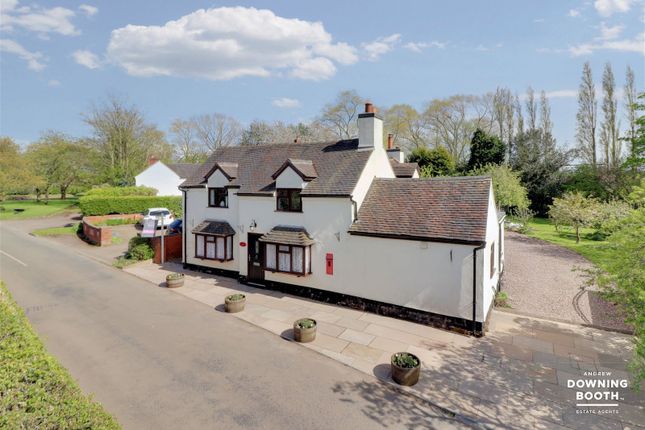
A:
<point x="283" y="60"/>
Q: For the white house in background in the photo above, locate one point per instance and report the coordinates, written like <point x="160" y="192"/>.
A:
<point x="165" y="178"/>
<point x="333" y="221"/>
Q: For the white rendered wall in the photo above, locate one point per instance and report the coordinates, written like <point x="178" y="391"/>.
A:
<point x="160" y="177"/>
<point x="217" y="180"/>
<point x="289" y="179"/>
<point x="377" y="166"/>
<point x="489" y="283"/>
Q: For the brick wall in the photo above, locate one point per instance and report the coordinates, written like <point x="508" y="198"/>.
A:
<point x="102" y="236"/>
<point x="172" y="247"/>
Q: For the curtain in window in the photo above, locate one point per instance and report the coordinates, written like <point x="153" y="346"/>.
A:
<point x="270" y="256"/>
<point x="199" y="252"/>
<point x="210" y="249"/>
<point x="284" y="262"/>
<point x="229" y="247"/>
<point x="220" y="248"/>
<point x="297" y="262"/>
<point x="307" y="259"/>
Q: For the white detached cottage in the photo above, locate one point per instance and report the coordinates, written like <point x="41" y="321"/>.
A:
<point x="332" y="221"/>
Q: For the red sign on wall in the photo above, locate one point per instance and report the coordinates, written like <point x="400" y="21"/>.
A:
<point x="330" y="263"/>
<point x="242" y="244"/>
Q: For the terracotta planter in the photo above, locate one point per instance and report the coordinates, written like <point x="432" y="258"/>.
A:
<point x="175" y="282"/>
<point x="304" y="335"/>
<point x="405" y="375"/>
<point x="233" y="306"/>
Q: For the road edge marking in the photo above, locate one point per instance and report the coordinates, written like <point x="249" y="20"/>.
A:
<point x="13" y="258"/>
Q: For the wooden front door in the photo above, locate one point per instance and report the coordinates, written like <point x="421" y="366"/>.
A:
<point x="255" y="272"/>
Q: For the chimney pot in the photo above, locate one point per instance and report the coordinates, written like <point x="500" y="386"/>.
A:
<point x="390" y="141"/>
<point x="369" y="107"/>
<point x="152" y="160"/>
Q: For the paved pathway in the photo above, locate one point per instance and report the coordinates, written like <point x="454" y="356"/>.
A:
<point x="516" y="376"/>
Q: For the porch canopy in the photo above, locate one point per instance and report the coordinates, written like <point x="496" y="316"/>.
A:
<point x="214" y="228"/>
<point x="288" y="235"/>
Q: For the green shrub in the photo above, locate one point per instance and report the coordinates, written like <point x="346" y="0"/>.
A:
<point x="141" y="252"/>
<point x="36" y="392"/>
<point x="106" y="205"/>
<point x="235" y="297"/>
<point x="405" y="360"/>
<point x="306" y="323"/>
<point x="501" y="300"/>
<point x="175" y="276"/>
<point x="121" y="191"/>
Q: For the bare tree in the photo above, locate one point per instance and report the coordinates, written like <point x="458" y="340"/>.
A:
<point x="630" y="108"/>
<point x="217" y="130"/>
<point x="545" y="114"/>
<point x="587" y="117"/>
<point x="407" y="126"/>
<point x="340" y="116"/>
<point x="188" y="148"/>
<point x="520" y="116"/>
<point x="609" y="128"/>
<point x="450" y="124"/>
<point x="531" y="109"/>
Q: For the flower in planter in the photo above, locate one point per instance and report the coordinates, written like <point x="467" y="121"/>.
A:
<point x="306" y="323"/>
<point x="405" y="360"/>
<point x="235" y="297"/>
<point x="174" y="276"/>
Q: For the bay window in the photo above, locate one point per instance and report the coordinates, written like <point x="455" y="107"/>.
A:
<point x="292" y="259"/>
<point x="210" y="247"/>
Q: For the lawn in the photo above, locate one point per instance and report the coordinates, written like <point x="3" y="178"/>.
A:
<point x="595" y="251"/>
<point x="33" y="209"/>
<point x="36" y="392"/>
<point x="56" y="231"/>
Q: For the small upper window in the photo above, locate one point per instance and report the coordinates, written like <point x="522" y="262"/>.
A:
<point x="289" y="200"/>
<point x="492" y="260"/>
<point x="218" y="197"/>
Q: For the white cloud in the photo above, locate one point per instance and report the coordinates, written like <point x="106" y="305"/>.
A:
<point x="573" y="13"/>
<point x="87" y="59"/>
<point x="608" y="33"/>
<point x="229" y="42"/>
<point x="382" y="45"/>
<point x="88" y="9"/>
<point x="38" y="19"/>
<point x="637" y="44"/>
<point x="286" y="103"/>
<point x="538" y="20"/>
<point x="420" y="46"/>
<point x="53" y="83"/>
<point x="34" y="59"/>
<point x="609" y="7"/>
<point x="561" y="94"/>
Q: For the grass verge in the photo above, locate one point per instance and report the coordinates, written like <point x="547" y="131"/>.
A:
<point x="57" y="231"/>
<point x="596" y="251"/>
<point x="33" y="209"/>
<point x="36" y="392"/>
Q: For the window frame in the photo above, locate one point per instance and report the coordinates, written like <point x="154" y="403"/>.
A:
<point x="289" y="195"/>
<point x="211" y="238"/>
<point x="276" y="268"/>
<point x="214" y="193"/>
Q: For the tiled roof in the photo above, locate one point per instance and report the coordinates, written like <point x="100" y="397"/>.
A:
<point x="215" y="228"/>
<point x="403" y="170"/>
<point x="338" y="166"/>
<point x="183" y="170"/>
<point x="451" y="209"/>
<point x="304" y="168"/>
<point x="288" y="235"/>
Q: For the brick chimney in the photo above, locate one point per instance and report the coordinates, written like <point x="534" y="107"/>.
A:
<point x="370" y="128"/>
<point x="393" y="152"/>
<point x="152" y="160"/>
<point x="390" y="141"/>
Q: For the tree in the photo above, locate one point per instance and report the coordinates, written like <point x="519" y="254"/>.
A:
<point x="340" y="116"/>
<point x="574" y="210"/>
<point x="636" y="158"/>
<point x="623" y="282"/>
<point x="630" y="106"/>
<point x="216" y="130"/>
<point x="545" y="114"/>
<point x="407" y="125"/>
<point x="187" y="148"/>
<point x="539" y="163"/>
<point x="433" y="162"/>
<point x="609" y="128"/>
<point x="504" y="114"/>
<point x="587" y="117"/>
<point x="124" y="141"/>
<point x="16" y="176"/>
<point x="531" y="109"/>
<point x="485" y="149"/>
<point x="507" y="186"/>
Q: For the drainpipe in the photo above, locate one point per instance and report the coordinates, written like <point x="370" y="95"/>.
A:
<point x="355" y="206"/>
<point x="474" y="322"/>
<point x="183" y="228"/>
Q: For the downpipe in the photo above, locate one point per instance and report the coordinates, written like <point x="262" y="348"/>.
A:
<point x="474" y="321"/>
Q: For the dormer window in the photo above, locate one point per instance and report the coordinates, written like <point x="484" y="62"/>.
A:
<point x="288" y="200"/>
<point x="218" y="197"/>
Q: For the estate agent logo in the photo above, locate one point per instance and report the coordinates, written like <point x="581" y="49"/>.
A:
<point x="598" y="393"/>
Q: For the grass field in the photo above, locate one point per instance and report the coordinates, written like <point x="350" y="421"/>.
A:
<point x="33" y="209"/>
<point x="595" y="251"/>
<point x="36" y="392"/>
<point x="56" y="231"/>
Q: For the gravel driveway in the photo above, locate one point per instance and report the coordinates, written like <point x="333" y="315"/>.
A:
<point x="542" y="279"/>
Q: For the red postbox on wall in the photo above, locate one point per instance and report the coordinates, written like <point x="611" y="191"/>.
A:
<point x="330" y="263"/>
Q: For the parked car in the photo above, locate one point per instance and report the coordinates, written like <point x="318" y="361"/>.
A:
<point x="166" y="216"/>
<point x="175" y="227"/>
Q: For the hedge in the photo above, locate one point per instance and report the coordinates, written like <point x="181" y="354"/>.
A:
<point x="36" y="392"/>
<point x="122" y="191"/>
<point x="102" y="205"/>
